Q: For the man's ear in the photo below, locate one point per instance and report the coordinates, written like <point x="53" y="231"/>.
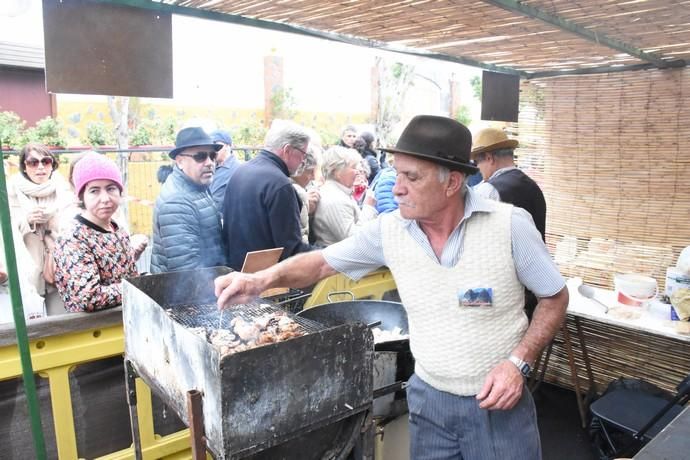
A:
<point x="455" y="181"/>
<point x="178" y="162"/>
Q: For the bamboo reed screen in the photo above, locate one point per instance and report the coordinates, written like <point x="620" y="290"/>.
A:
<point x="612" y="155"/>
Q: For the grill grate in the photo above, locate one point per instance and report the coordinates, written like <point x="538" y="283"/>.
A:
<point x="208" y="316"/>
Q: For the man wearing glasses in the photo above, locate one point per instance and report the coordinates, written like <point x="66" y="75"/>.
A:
<point x="261" y="209"/>
<point x="186" y="222"/>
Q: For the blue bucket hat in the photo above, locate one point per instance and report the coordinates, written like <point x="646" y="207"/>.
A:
<point x="221" y="136"/>
<point x="192" y="137"/>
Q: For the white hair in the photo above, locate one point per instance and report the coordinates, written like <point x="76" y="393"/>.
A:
<point x="311" y="160"/>
<point x="337" y="158"/>
<point x="284" y="132"/>
<point x="444" y="174"/>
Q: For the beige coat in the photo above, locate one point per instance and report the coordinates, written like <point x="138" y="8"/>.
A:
<point x="24" y="195"/>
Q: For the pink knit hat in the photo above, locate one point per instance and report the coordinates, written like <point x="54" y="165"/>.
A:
<point x="94" y="166"/>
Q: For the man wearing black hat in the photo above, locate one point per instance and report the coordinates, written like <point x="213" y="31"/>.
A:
<point x="186" y="223"/>
<point x="467" y="397"/>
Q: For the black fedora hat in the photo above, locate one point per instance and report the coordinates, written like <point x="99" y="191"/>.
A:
<point x="192" y="137"/>
<point x="440" y="140"/>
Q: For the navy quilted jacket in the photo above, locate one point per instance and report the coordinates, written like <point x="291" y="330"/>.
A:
<point x="186" y="227"/>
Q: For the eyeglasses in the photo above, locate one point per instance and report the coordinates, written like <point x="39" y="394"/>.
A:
<point x="33" y="162"/>
<point x="304" y="154"/>
<point x="200" y="157"/>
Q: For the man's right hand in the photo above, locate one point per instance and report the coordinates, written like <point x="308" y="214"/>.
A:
<point x="237" y="288"/>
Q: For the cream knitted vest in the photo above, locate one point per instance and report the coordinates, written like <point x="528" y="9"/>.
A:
<point x="455" y="347"/>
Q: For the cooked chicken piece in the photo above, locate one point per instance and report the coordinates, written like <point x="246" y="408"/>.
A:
<point x="246" y="331"/>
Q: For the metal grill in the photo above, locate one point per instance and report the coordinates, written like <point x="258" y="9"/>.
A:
<point x="207" y="315"/>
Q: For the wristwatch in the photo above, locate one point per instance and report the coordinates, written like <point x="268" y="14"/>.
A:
<point x="522" y="366"/>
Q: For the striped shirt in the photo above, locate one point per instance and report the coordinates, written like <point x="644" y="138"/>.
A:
<point x="363" y="252"/>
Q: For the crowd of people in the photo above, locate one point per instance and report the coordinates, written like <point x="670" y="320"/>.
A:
<point x="73" y="242"/>
<point x="343" y="210"/>
<point x="213" y="208"/>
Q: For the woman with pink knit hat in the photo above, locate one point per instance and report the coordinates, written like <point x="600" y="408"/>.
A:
<point x="95" y="254"/>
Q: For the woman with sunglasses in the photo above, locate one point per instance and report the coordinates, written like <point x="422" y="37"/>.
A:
<point x="95" y="254"/>
<point x="37" y="195"/>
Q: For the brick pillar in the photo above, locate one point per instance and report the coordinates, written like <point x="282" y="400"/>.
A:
<point x="273" y="81"/>
<point x="454" y="96"/>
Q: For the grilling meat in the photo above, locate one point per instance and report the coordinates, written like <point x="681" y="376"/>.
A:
<point x="262" y="330"/>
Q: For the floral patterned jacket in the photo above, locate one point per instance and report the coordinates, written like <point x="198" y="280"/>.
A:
<point x="90" y="263"/>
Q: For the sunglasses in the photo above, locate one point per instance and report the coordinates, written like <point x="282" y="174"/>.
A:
<point x="200" y="157"/>
<point x="33" y="162"/>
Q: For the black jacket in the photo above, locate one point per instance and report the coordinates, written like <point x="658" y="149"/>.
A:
<point x="261" y="210"/>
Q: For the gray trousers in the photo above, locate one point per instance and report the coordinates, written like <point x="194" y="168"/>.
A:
<point x="444" y="426"/>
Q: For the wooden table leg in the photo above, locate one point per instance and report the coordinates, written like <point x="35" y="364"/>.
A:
<point x="574" y="376"/>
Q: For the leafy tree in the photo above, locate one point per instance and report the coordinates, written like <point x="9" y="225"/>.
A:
<point x="283" y="104"/>
<point x="11" y="128"/>
<point x="476" y="83"/>
<point x="251" y="134"/>
<point x="394" y="82"/>
<point x="463" y="115"/>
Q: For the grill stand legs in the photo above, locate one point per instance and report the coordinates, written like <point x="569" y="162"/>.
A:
<point x="196" y="424"/>
<point x="365" y="443"/>
<point x="130" y="386"/>
<point x="194" y="408"/>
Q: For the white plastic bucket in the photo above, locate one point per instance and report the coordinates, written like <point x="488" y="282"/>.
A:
<point x="634" y="290"/>
<point x="676" y="279"/>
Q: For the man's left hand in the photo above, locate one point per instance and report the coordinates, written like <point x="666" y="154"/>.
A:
<point x="502" y="388"/>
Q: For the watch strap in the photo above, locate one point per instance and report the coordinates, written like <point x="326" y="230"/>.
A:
<point x="523" y="366"/>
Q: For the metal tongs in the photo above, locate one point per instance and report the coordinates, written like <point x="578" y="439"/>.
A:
<point x="588" y="292"/>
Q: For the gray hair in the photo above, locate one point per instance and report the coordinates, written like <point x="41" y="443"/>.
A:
<point x="311" y="160"/>
<point x="504" y="153"/>
<point x="444" y="174"/>
<point x="285" y="132"/>
<point x="337" y="158"/>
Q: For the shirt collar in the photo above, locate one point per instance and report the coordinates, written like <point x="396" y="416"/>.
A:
<point x="473" y="203"/>
<point x="498" y="172"/>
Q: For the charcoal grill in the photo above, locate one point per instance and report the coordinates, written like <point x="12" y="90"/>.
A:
<point x="305" y="398"/>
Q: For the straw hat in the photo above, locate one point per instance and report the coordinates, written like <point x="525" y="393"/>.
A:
<point x="490" y="139"/>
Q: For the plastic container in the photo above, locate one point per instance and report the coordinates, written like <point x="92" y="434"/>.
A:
<point x="634" y="290"/>
<point x="659" y="310"/>
<point x="676" y="279"/>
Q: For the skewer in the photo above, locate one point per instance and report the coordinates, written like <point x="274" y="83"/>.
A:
<point x="220" y="319"/>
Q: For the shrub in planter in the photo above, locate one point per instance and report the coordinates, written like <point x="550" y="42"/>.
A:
<point x="141" y="136"/>
<point x="48" y="131"/>
<point x="98" y="134"/>
<point x="11" y="128"/>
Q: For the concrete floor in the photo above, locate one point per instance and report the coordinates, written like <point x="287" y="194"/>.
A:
<point x="562" y="436"/>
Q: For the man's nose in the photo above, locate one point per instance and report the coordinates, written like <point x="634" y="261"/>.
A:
<point x="397" y="188"/>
